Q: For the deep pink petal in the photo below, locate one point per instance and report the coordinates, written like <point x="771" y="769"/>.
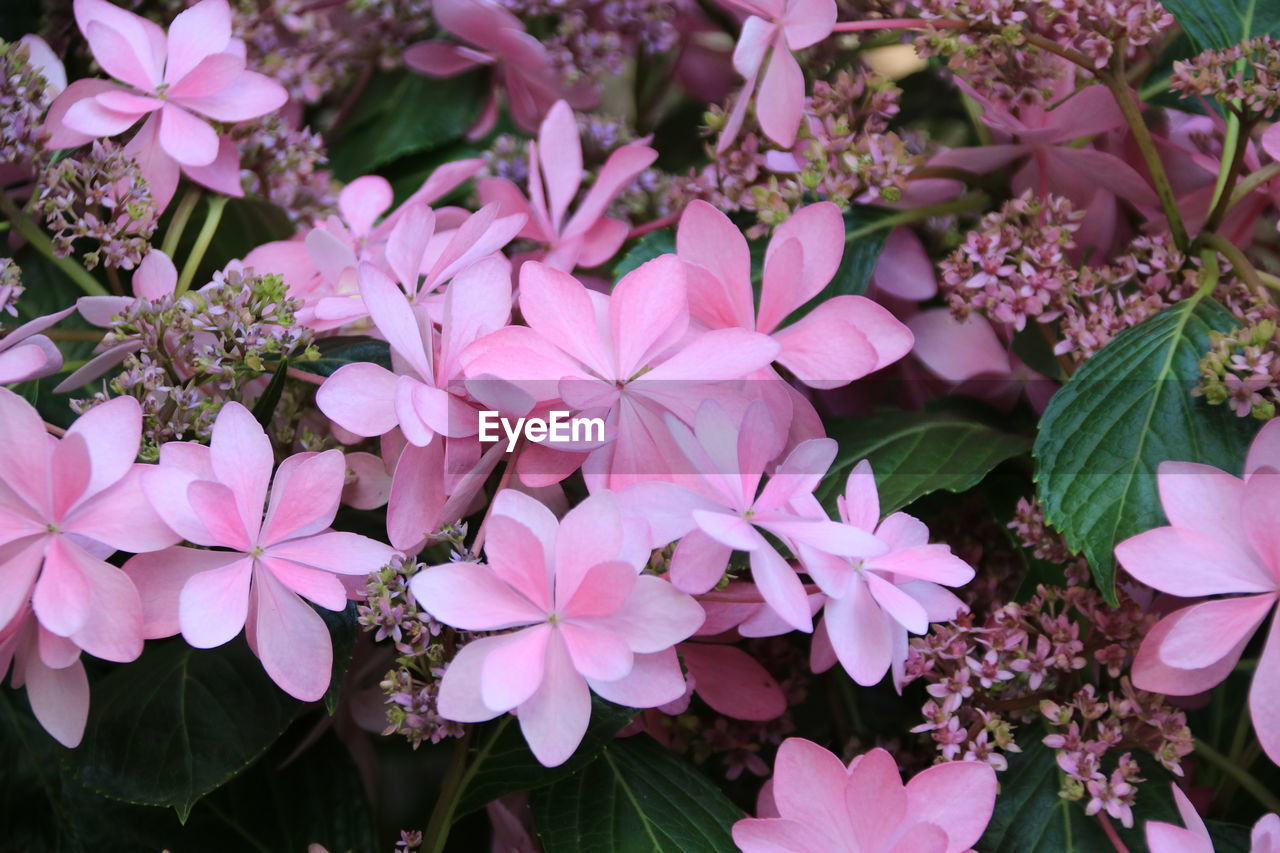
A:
<point x="904" y="269"/>
<point x="958" y="796"/>
<point x="623" y="165"/>
<point x="808" y="247"/>
<point x="647" y="313"/>
<point x="781" y="99"/>
<point x="733" y="683"/>
<point x="720" y="293"/>
<point x="560" y="154"/>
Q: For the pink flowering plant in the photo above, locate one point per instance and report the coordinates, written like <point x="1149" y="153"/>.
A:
<point x="664" y="425"/>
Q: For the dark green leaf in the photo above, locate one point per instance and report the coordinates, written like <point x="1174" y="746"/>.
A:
<point x="265" y="407"/>
<point x="179" y="722"/>
<point x="647" y="248"/>
<point x="337" y="351"/>
<point x="1124" y="412"/>
<point x="915" y="453"/>
<point x="635" y="797"/>
<point x="403" y="113"/>
<point x="1223" y="23"/>
<point x="504" y="763"/>
<point x="343" y="630"/>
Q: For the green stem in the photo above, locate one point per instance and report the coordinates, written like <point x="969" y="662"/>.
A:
<point x="1150" y="156"/>
<point x="456" y="781"/>
<point x="1239" y="263"/>
<point x="181" y="215"/>
<point x="964" y="203"/>
<point x="1228" y="172"/>
<point x="40" y="241"/>
<point x="1251" y="182"/>
<point x="1243" y="777"/>
<point x="203" y="239"/>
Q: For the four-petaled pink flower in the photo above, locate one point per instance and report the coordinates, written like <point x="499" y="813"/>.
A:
<point x="1223" y="539"/>
<point x="214" y="497"/>
<point x="588" y="237"/>
<point x="716" y="511"/>
<point x="840" y="340"/>
<point x="775" y="28"/>
<point x="178" y="81"/>
<point x="873" y="602"/>
<point x="65" y="506"/>
<point x="588" y="620"/>
<point x="823" y="806"/>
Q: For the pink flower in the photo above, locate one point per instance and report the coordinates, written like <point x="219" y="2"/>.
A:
<point x="865" y="808"/>
<point x="525" y="67"/>
<point x="65" y="506"/>
<point x="717" y="511"/>
<point x="629" y="357"/>
<point x="588" y="620"/>
<point x="1166" y="838"/>
<point x="26" y="354"/>
<point x="1222" y="540"/>
<point x="842" y="339"/>
<point x="198" y="69"/>
<point x="588" y="237"/>
<point x="873" y="602"/>
<point x="774" y="30"/>
<point x="214" y="496"/>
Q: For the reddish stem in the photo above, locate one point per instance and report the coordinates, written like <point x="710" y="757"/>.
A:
<point x="740" y="595"/>
<point x="1110" y="832"/>
<point x="303" y="376"/>
<point x="54" y="430"/>
<point x="656" y="225"/>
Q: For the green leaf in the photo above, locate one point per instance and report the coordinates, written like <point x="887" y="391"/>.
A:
<point x="635" y="797"/>
<point x="647" y="248"/>
<point x="915" y="453"/>
<point x="1223" y="23"/>
<point x="343" y="630"/>
<point x="1124" y="412"/>
<point x="265" y="407"/>
<point x="347" y="349"/>
<point x="503" y="763"/>
<point x="178" y="723"/>
<point x="403" y="113"/>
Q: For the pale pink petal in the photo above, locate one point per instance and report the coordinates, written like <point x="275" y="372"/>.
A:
<point x="927" y="562"/>
<point x="653" y="680"/>
<point x="860" y="503"/>
<point x="186" y="138"/>
<point x="304" y="496"/>
<point x="1187" y="563"/>
<point x="808" y="786"/>
<point x="197" y="32"/>
<point x="291" y="640"/>
<point x="623" y="165"/>
<point x="560" y="309"/>
<point x="59" y="699"/>
<point x="803" y="267"/>
<point x="363" y="200"/>
<point x="1208" y="632"/>
<point x="897" y="604"/>
<point x="335" y="551"/>
<point x="215" y="504"/>
<point x="781" y="99"/>
<point x="111" y="432"/>
<point x="1150" y="673"/>
<point x="590" y="534"/>
<point x="25" y="449"/>
<point x="360" y="398"/>
<point x="555" y="717"/>
<point x="460" y="698"/>
<point x="808" y="22"/>
<point x="1264" y="452"/>
<point x="861" y="634"/>
<point x="123" y="53"/>
<point x="19" y="566"/>
<point x="958" y="796"/>
<point x="470" y="597"/>
<point x="1271" y="141"/>
<point x="155" y="278"/>
<point x="159" y="169"/>
<point x="1264" y="695"/>
<point x="860" y="337"/>
<point x="213" y="605"/>
<point x="718" y="355"/>
<point x="698" y="562"/>
<point x="159" y="578"/>
<point x="62" y="596"/>
<point x="46" y="62"/>
<point x="721" y="296"/>
<point x="59" y="134"/>
<point x="781" y="588"/>
<point x="560" y="153"/>
<point x="596" y="654"/>
<point x="93" y="118"/>
<point x="753" y="835"/>
<point x="1261" y="508"/>
<point x="407" y="245"/>
<point x="242" y="459"/>
<point x="753" y="42"/>
<point x="513" y="671"/>
<point x="166" y="488"/>
<point x="903" y="268"/>
<point x="958" y="351"/>
<point x="248" y="95"/>
<point x="602" y="241"/>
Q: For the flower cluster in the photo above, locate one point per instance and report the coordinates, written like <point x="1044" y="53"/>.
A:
<point x="25" y="94"/>
<point x="11" y="287"/>
<point x="1245" y="76"/>
<point x="1242" y="370"/>
<point x="99" y="195"/>
<point x="191" y="353"/>
<point x="282" y="165"/>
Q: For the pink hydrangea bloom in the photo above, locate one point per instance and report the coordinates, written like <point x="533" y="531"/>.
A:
<point x="522" y="64"/>
<point x="717" y="510"/>
<point x="864" y="808"/>
<point x="27" y="354"/>
<point x="588" y="620"/>
<point x="842" y="339"/>
<point x="628" y="357"/>
<point x="1222" y="539"/>
<point x="1193" y="836"/>
<point x="588" y="237"/>
<point x="65" y="506"/>
<point x="873" y="602"/>
<point x="265" y="565"/>
<point x="774" y="30"/>
<point x="177" y="81"/>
